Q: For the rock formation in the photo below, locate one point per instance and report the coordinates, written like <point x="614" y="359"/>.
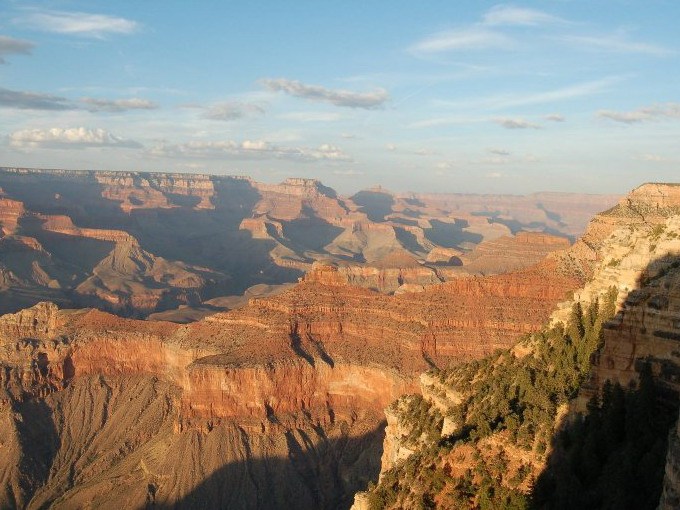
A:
<point x="281" y="400"/>
<point x="191" y="238"/>
<point x="634" y="249"/>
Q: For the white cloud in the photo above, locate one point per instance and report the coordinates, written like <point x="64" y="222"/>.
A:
<point x="247" y="149"/>
<point x="494" y="175"/>
<point x="617" y="43"/>
<point x="11" y="46"/>
<point x="233" y="111"/>
<point x="647" y="113"/>
<point x="368" y="100"/>
<point x="554" y="117"/>
<point x="473" y="38"/>
<point x="78" y="23"/>
<point x="117" y="105"/>
<point x="68" y="138"/>
<point x="509" y="15"/>
<point x="516" y="123"/>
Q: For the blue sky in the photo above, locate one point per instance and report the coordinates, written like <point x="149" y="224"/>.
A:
<point x="465" y="96"/>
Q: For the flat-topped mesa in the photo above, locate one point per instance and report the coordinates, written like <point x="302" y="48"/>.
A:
<point x="299" y="199"/>
<point x="60" y="224"/>
<point x="145" y="191"/>
<point x="297" y="186"/>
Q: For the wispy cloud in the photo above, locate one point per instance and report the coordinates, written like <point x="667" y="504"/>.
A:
<point x="515" y="123"/>
<point x="521" y="16"/>
<point x="484" y="34"/>
<point x="368" y="100"/>
<point x="247" y="149"/>
<point x="117" y="105"/>
<point x="566" y="93"/>
<point x="473" y="38"/>
<point x="33" y="100"/>
<point x="228" y="111"/>
<point x="615" y="43"/>
<point x="11" y="46"/>
<point x="647" y="113"/>
<point x="68" y="138"/>
<point x="78" y="23"/>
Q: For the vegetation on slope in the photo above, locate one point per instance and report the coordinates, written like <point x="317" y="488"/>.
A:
<point x="512" y="401"/>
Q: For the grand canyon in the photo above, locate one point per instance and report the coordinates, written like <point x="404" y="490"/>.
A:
<point x="199" y="341"/>
<point x="339" y="255"/>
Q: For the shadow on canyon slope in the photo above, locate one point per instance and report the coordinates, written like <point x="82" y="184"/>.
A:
<point x="202" y="237"/>
<point x="516" y="226"/>
<point x="375" y="204"/>
<point x="613" y="454"/>
<point x="319" y="473"/>
<point x="452" y="235"/>
<point x="39" y="442"/>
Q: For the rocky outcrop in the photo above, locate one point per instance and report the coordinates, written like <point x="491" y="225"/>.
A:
<point x="109" y="392"/>
<point x="10" y="212"/>
<point x="633" y="248"/>
<point x="38" y="322"/>
<point x="396" y="272"/>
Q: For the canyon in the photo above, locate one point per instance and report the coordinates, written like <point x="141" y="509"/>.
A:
<point x="187" y="245"/>
<point x="294" y="382"/>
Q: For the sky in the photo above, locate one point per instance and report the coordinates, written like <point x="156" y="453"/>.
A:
<point x="423" y="96"/>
